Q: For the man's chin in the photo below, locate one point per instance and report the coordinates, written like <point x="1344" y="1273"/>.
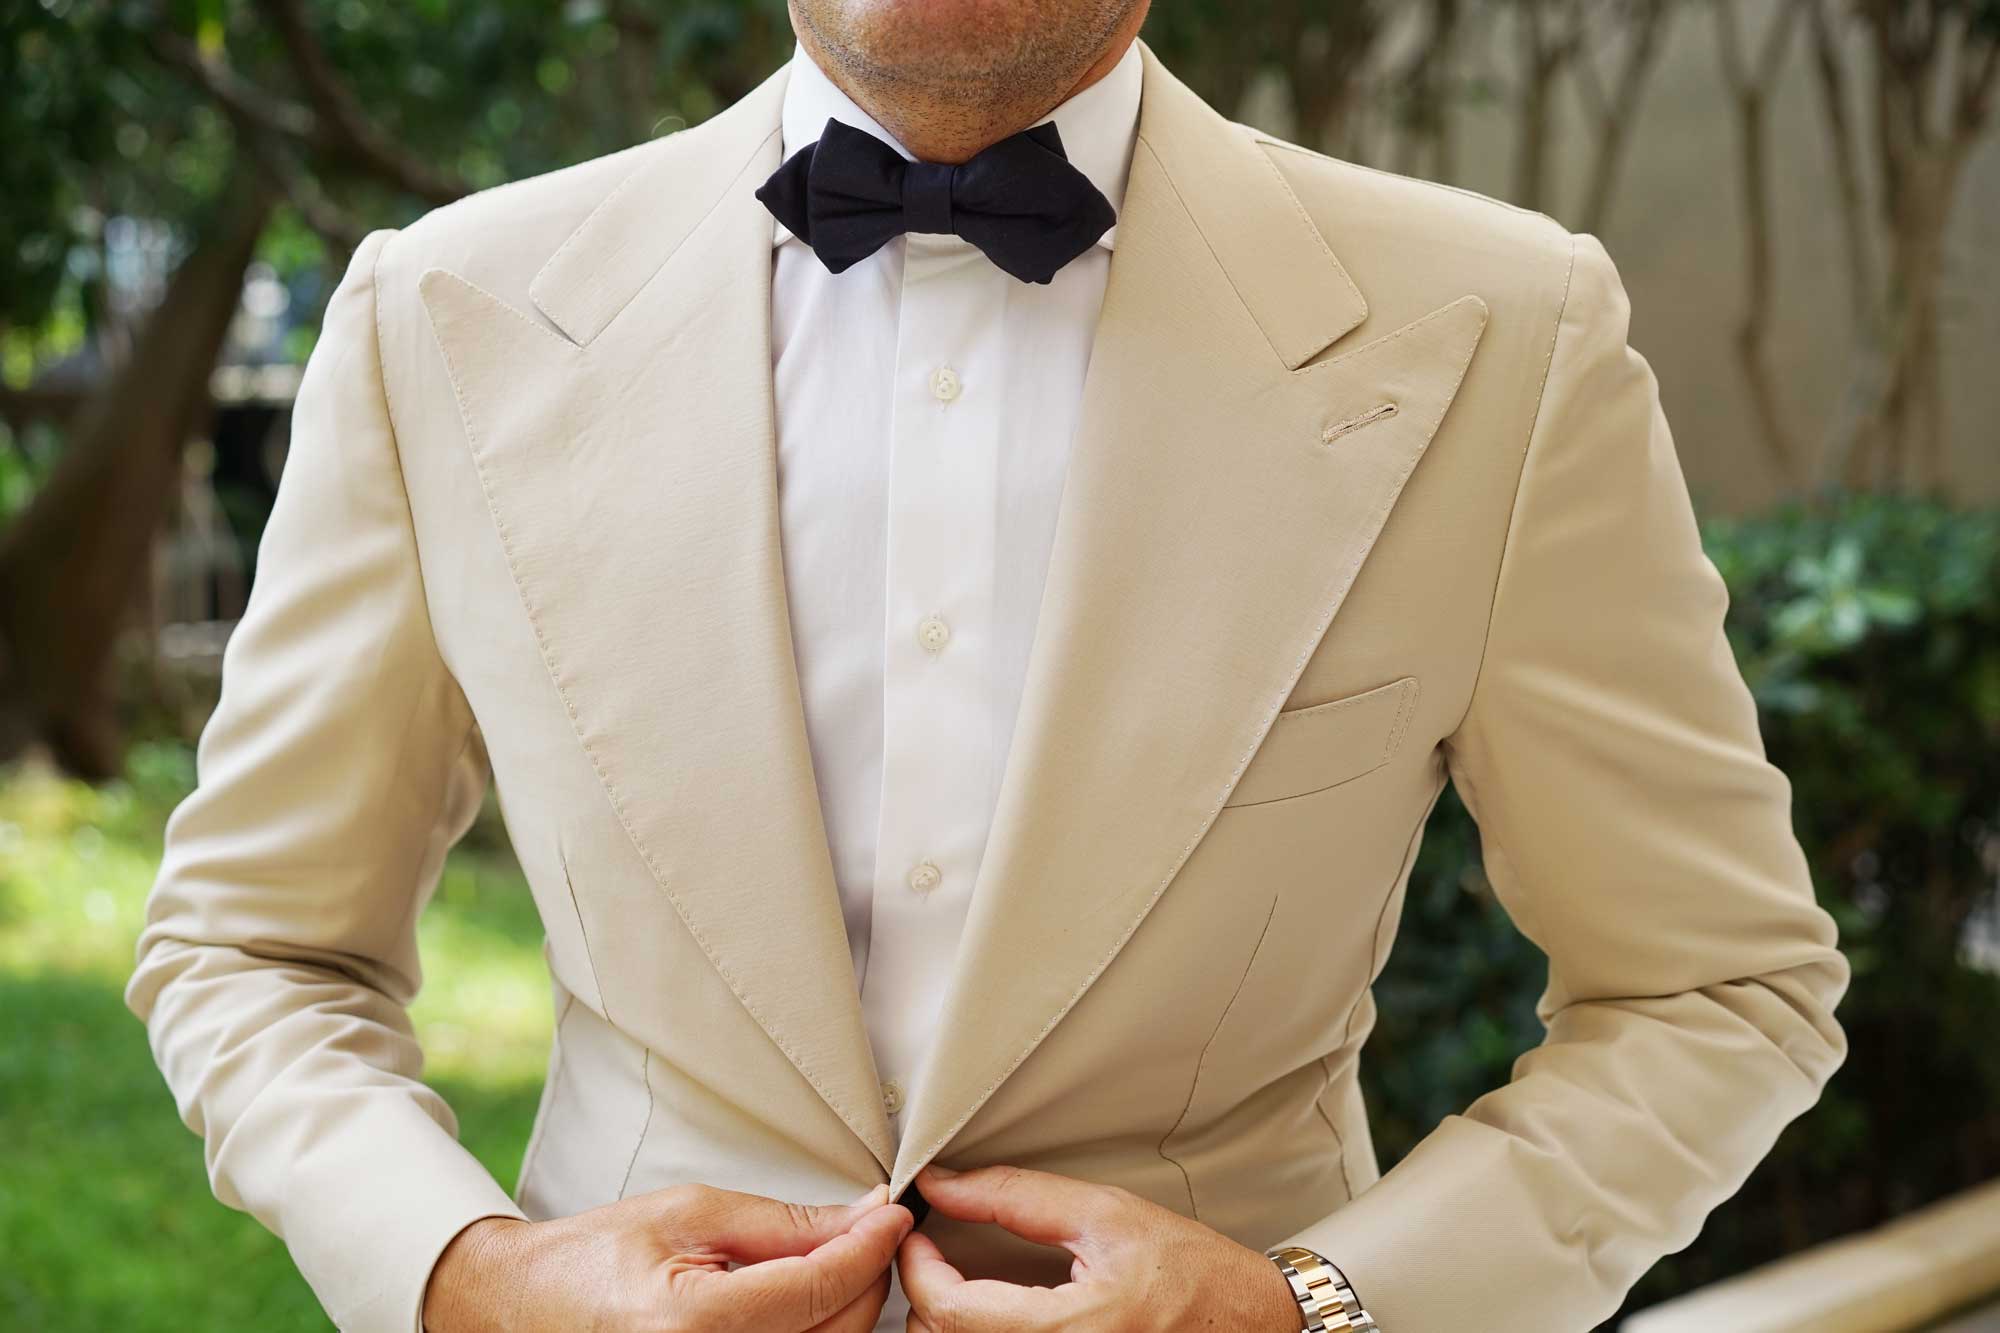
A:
<point x="949" y="48"/>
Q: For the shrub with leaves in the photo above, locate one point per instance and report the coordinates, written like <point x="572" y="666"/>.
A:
<point x="1868" y="627"/>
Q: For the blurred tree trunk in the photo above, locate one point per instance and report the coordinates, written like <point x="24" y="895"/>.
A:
<point x="634" y="62"/>
<point x="1549" y="35"/>
<point x="71" y="564"/>
<point x="1615" y="109"/>
<point x="1322" y="53"/>
<point x="1830" y="77"/>
<point x="1429" y="98"/>
<point x="1327" y="69"/>
<point x="1934" y="75"/>
<point x="1750" y="84"/>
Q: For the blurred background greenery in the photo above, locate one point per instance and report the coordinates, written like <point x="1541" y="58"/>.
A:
<point x="1803" y="197"/>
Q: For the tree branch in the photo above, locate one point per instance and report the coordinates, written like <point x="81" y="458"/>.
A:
<point x="1975" y="90"/>
<point x="1750" y="95"/>
<point x="1831" y="79"/>
<point x="238" y="96"/>
<point x="1777" y="39"/>
<point x="1729" y="45"/>
<point x="1615" y="113"/>
<point x="264" y="124"/>
<point x="345" y="122"/>
<point x="304" y="194"/>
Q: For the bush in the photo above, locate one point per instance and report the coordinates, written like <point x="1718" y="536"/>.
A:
<point x="1868" y="628"/>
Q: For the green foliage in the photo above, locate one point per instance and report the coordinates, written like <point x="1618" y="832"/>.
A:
<point x="26" y="457"/>
<point x="106" y="1218"/>
<point x="107" y="113"/>
<point x="1869" y="630"/>
<point x="67" y="121"/>
<point x="91" y="129"/>
<point x="1874" y="646"/>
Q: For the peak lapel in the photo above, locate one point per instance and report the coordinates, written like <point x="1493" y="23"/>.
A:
<point x="1207" y="534"/>
<point x="630" y="465"/>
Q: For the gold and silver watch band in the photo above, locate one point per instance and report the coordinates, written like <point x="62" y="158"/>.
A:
<point x="1327" y="1301"/>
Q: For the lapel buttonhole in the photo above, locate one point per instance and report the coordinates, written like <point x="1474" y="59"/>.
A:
<point x="1354" y="423"/>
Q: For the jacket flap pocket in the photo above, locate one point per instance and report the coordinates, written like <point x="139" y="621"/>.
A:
<point x="1310" y="749"/>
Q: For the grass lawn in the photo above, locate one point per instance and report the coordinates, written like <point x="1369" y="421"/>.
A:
<point x="106" y="1219"/>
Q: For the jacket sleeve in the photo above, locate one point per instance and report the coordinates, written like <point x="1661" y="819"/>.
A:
<point x="1635" y="832"/>
<point x="278" y="955"/>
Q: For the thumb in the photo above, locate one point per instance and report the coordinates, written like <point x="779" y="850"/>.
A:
<point x="1039" y="1206"/>
<point x="750" y="1228"/>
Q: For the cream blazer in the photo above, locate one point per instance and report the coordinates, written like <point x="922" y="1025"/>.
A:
<point x="1369" y="494"/>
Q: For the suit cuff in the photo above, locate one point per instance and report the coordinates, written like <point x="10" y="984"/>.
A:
<point x="370" y="1211"/>
<point x="1451" y="1238"/>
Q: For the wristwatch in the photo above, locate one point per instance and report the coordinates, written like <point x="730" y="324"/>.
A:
<point x="1327" y="1301"/>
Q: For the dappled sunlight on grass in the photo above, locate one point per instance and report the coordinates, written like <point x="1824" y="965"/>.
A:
<point x="483" y="1012"/>
<point x="106" y="1217"/>
<point x="76" y="862"/>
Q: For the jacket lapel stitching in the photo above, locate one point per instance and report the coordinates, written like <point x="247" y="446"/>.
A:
<point x="1331" y="601"/>
<point x="560" y="678"/>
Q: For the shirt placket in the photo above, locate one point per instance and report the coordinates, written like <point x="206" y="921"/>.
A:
<point x="938" y="649"/>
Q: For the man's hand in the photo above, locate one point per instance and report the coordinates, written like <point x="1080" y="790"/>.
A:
<point x="1136" y="1266"/>
<point x="660" y="1261"/>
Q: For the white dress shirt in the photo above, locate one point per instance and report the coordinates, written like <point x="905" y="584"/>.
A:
<point x="925" y="404"/>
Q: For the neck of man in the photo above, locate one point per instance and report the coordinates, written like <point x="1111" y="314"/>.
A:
<point x="940" y="130"/>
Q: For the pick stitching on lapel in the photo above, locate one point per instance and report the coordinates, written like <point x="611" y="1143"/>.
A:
<point x="1205" y="523"/>
<point x="1207" y="537"/>
<point x="630" y="467"/>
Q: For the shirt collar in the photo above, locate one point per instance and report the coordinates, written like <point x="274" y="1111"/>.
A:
<point x="1098" y="125"/>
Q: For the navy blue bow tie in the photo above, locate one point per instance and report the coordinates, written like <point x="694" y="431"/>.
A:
<point x="1019" y="200"/>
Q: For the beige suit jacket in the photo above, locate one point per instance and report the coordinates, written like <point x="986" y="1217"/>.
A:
<point x="1369" y="494"/>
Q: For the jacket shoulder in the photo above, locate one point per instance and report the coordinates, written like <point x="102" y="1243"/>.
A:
<point x="1375" y="203"/>
<point x="499" y="237"/>
<point x="1412" y="245"/>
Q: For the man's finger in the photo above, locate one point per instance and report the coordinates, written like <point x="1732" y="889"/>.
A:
<point x="751" y="1228"/>
<point x="942" y="1297"/>
<point x="799" y="1292"/>
<point x="1035" y="1205"/>
<point x="924" y="1269"/>
<point x="861" y="1314"/>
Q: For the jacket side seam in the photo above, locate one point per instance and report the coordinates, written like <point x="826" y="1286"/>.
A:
<point x="645" y="1126"/>
<point x="1339" y="1140"/>
<point x="604" y="1010"/>
<point x="1375" y="960"/>
<point x="1194" y="1084"/>
<point x="583" y="933"/>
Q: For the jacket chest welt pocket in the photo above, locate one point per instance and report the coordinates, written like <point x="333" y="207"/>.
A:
<point x="1313" y="748"/>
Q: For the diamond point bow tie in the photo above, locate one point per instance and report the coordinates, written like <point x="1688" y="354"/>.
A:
<point x="1019" y="200"/>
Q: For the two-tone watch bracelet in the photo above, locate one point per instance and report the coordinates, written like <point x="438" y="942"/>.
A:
<point x="1328" y="1302"/>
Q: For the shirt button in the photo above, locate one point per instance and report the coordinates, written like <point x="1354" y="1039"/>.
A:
<point x="932" y="633"/>
<point x="892" y="1096"/>
<point x="925" y="876"/>
<point x="944" y="383"/>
